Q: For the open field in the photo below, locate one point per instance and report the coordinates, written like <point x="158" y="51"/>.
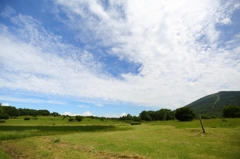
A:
<point x="50" y="137"/>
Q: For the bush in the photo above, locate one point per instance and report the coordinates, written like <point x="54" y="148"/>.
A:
<point x="205" y="117"/>
<point x="4" y="116"/>
<point x="71" y="119"/>
<point x="78" y="118"/>
<point x="231" y="112"/>
<point x="2" y="121"/>
<point x="135" y="123"/>
<point x="184" y="114"/>
<point x="27" y="118"/>
<point x="34" y="118"/>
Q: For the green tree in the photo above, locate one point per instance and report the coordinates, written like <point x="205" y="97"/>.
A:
<point x="165" y="114"/>
<point x="4" y="116"/>
<point x="152" y="114"/>
<point x="11" y="111"/>
<point x="43" y="112"/>
<point x="71" y="119"/>
<point x="129" y="117"/>
<point x="184" y="114"/>
<point x="145" y="116"/>
<point x="55" y="114"/>
<point x="26" y="111"/>
<point x="1" y="109"/>
<point x="231" y="111"/>
<point x="135" y="118"/>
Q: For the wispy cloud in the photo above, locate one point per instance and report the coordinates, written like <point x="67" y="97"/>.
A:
<point x="29" y="100"/>
<point x="82" y="106"/>
<point x="178" y="51"/>
<point x="7" y="11"/>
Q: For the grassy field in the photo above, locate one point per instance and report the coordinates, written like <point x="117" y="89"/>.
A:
<point x="50" y="137"/>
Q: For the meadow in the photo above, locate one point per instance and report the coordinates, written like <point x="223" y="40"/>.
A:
<point x="53" y="137"/>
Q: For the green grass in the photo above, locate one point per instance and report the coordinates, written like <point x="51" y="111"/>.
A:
<point x="42" y="120"/>
<point x="17" y="132"/>
<point x="208" y="123"/>
<point x="20" y="128"/>
<point x="109" y="139"/>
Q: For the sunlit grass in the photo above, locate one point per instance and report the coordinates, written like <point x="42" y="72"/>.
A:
<point x="165" y="139"/>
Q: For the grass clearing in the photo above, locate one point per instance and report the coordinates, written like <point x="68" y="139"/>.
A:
<point x="168" y="139"/>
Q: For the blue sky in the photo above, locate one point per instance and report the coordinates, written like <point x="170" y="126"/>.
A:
<point x="110" y="58"/>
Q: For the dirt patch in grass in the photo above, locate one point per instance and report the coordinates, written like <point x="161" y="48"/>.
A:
<point x="104" y="155"/>
<point x="13" y="151"/>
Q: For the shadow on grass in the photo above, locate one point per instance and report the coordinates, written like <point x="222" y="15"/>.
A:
<point x="17" y="132"/>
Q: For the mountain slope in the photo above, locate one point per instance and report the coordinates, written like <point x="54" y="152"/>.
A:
<point x="213" y="104"/>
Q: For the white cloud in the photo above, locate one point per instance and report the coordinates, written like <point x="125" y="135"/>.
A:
<point x="29" y="100"/>
<point x="87" y="114"/>
<point x="82" y="106"/>
<point x="75" y="114"/>
<point x="99" y="105"/>
<point x="70" y="114"/>
<point x="114" y="115"/>
<point x="175" y="42"/>
<point x="123" y="114"/>
<point x="7" y="11"/>
<point x="111" y="116"/>
<point x="5" y="104"/>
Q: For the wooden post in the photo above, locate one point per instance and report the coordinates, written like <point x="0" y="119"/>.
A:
<point x="201" y="123"/>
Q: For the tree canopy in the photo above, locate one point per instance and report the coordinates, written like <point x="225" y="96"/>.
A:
<point x="184" y="114"/>
<point x="162" y="114"/>
<point x="231" y="112"/>
<point x="11" y="111"/>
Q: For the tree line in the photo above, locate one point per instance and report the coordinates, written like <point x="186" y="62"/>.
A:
<point x="7" y="112"/>
<point x="181" y="114"/>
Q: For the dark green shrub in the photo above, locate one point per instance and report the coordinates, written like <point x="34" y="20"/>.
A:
<point x="238" y="114"/>
<point x="184" y="114"/>
<point x="2" y="121"/>
<point x="137" y="119"/>
<point x="231" y="111"/>
<point x="78" y="118"/>
<point x="71" y="119"/>
<point x="27" y="118"/>
<point x="34" y="118"/>
<point x="205" y="117"/>
<point x="135" y="123"/>
<point x="4" y="116"/>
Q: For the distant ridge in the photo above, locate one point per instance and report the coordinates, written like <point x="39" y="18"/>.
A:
<point x="213" y="104"/>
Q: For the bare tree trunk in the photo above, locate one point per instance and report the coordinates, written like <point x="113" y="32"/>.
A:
<point x="201" y="123"/>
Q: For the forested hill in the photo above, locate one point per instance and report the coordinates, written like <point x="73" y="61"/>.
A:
<point x="213" y="104"/>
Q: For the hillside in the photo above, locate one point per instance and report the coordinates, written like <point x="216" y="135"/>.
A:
<point x="213" y="104"/>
